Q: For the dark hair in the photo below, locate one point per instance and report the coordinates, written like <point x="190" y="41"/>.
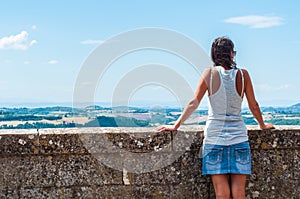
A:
<point x="221" y="52"/>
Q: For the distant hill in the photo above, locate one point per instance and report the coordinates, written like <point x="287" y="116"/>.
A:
<point x="67" y="117"/>
<point x="290" y="109"/>
<point x="96" y="107"/>
<point x="296" y="105"/>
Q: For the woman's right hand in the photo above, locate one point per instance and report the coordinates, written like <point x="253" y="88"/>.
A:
<point x="166" y="128"/>
<point x="267" y="126"/>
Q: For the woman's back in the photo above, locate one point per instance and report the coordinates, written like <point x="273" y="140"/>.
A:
<point x="225" y="99"/>
<point x="225" y="125"/>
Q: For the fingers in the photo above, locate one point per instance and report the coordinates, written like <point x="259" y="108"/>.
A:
<point x="268" y="126"/>
<point x="165" y="128"/>
<point x="162" y="129"/>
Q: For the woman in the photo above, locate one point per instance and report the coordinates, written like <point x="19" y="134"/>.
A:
<point x="226" y="150"/>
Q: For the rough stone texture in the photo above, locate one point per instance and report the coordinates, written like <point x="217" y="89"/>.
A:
<point x="61" y="144"/>
<point x="274" y="139"/>
<point x="19" y="143"/>
<point x="277" y="167"/>
<point x="296" y="164"/>
<point x="115" y="191"/>
<point x="151" y="191"/>
<point x="137" y="163"/>
<point x="190" y="190"/>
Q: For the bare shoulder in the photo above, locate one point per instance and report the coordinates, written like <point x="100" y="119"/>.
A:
<point x="207" y="72"/>
<point x="205" y="76"/>
<point x="245" y="73"/>
<point x="248" y="82"/>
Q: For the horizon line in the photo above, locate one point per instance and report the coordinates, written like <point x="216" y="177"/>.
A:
<point x="170" y="104"/>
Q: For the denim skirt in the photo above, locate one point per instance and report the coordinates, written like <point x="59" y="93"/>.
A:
<point x="219" y="159"/>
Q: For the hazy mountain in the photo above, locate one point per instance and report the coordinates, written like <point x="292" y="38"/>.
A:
<point x="290" y="109"/>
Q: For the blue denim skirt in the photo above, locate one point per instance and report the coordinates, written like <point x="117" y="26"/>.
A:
<point x="219" y="159"/>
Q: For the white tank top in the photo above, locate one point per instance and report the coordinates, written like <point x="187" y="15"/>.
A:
<point x="225" y="125"/>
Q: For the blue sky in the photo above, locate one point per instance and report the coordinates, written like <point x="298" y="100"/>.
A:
<point x="44" y="44"/>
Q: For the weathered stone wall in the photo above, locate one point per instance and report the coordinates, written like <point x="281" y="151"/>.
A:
<point x="76" y="163"/>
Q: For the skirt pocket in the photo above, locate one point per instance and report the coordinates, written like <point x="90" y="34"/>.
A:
<point x="242" y="155"/>
<point x="214" y="156"/>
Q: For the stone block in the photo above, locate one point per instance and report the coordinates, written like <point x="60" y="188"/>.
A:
<point x="84" y="170"/>
<point x="8" y="193"/>
<point x="186" y="140"/>
<point x="148" y="162"/>
<point x="104" y="175"/>
<point x="274" y="139"/>
<point x="19" y="143"/>
<point x="170" y="174"/>
<point x="191" y="171"/>
<point x="199" y="191"/>
<point x="87" y="192"/>
<point x="21" y="171"/>
<point x="150" y="191"/>
<point x="272" y="174"/>
<point x="73" y="170"/>
<point x="198" y="141"/>
<point x="115" y="191"/>
<point x="138" y="142"/>
<point x="296" y="163"/>
<point x="277" y="189"/>
<point x="142" y="142"/>
<point x="2" y="171"/>
<point x="96" y="143"/>
<point x="48" y="174"/>
<point x="61" y="144"/>
<point x="114" y="161"/>
<point x="41" y="193"/>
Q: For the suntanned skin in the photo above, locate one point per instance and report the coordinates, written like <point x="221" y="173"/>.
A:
<point x="220" y="181"/>
<point x="202" y="88"/>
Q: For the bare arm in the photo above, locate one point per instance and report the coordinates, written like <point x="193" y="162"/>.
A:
<point x="193" y="104"/>
<point x="252" y="103"/>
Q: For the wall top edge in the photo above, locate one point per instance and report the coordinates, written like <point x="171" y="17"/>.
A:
<point x="91" y="130"/>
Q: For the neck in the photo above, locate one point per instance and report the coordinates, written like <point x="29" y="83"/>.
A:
<point x="226" y="68"/>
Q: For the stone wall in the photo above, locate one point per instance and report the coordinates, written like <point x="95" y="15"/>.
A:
<point x="136" y="163"/>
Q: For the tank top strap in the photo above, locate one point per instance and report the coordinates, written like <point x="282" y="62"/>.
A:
<point x="242" y="75"/>
<point x="210" y="81"/>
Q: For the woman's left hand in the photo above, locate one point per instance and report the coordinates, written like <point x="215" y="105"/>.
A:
<point x="166" y="128"/>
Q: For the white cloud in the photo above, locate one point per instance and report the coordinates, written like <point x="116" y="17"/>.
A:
<point x="7" y="61"/>
<point x="267" y="87"/>
<point x="26" y="62"/>
<point x="53" y="62"/>
<point x="33" y="27"/>
<point x="91" y="41"/>
<point x="32" y="42"/>
<point x="256" y="21"/>
<point x="16" y="42"/>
